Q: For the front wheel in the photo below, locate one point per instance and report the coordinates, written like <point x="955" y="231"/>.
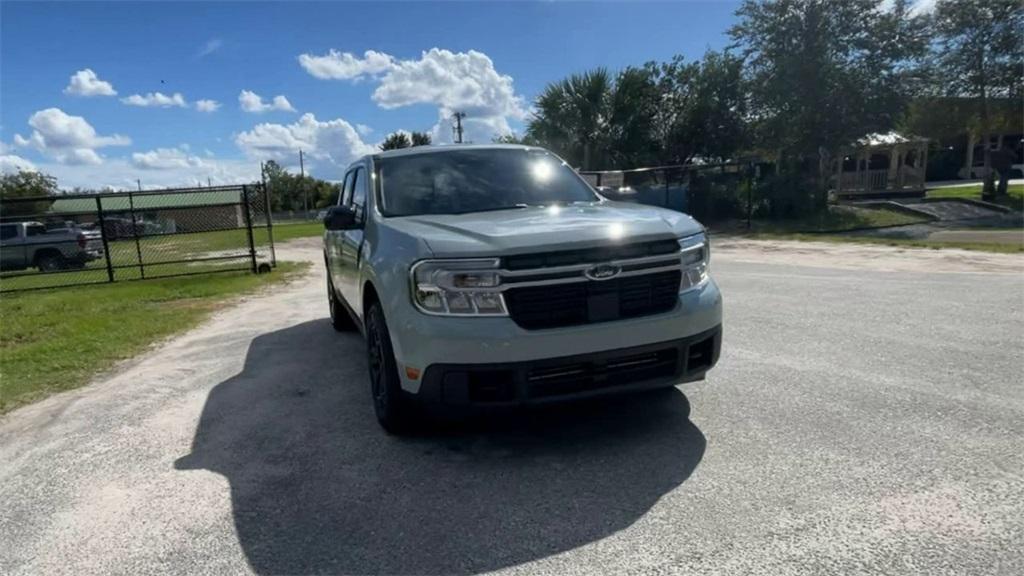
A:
<point x="389" y="402"/>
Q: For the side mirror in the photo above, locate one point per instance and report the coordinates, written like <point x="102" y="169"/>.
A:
<point x="340" y="218"/>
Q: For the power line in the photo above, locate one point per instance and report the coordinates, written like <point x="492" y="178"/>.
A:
<point x="458" y="126"/>
<point x="302" y="179"/>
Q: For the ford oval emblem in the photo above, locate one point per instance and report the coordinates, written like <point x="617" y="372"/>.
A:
<point x="602" y="272"/>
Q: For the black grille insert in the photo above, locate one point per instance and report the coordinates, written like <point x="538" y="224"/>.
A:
<point x="584" y="376"/>
<point x="590" y="255"/>
<point x="593" y="301"/>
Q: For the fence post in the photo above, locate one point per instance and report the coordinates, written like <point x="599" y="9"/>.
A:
<point x="103" y="236"/>
<point x="248" y="227"/>
<point x="750" y="193"/>
<point x="135" y="233"/>
<point x="270" y="221"/>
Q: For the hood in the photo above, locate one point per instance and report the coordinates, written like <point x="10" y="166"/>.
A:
<point x="543" y="228"/>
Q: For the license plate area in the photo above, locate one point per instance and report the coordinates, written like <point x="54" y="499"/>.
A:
<point x="602" y="307"/>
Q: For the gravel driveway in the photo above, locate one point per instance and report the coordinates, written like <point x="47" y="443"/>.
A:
<point x="867" y="416"/>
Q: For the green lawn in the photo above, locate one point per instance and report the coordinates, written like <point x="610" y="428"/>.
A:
<point x="55" y="340"/>
<point x="1014" y="194"/>
<point x="836" y="219"/>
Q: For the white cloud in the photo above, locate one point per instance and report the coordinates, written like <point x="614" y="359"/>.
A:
<point x="364" y="130"/>
<point x="86" y="83"/>
<point x="253" y="102"/>
<point x="917" y="7"/>
<point x="207" y="105"/>
<point x="14" y="163"/>
<point x="344" y="65"/>
<point x="452" y="81"/>
<point x="121" y="174"/>
<point x="67" y="139"/>
<point x="156" y="99"/>
<point x="329" y="146"/>
<point x="211" y="46"/>
<point x="165" y="158"/>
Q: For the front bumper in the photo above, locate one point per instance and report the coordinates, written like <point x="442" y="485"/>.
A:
<point x="421" y="341"/>
<point x="460" y="386"/>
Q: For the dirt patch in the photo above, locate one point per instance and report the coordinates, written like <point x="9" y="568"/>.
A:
<point x="854" y="256"/>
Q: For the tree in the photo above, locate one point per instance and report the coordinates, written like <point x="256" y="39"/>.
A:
<point x="572" y="116"/>
<point x="979" y="55"/>
<point x="22" y="185"/>
<point x="822" y="74"/>
<point x="288" y="191"/>
<point x="396" y="140"/>
<point x="700" y="108"/>
<point x="420" y="139"/>
<point x="513" y="138"/>
<point x="663" y="113"/>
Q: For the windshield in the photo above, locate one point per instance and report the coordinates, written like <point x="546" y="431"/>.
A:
<point x="475" y="180"/>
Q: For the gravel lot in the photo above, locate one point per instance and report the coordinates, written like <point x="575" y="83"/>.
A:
<point x="867" y="416"/>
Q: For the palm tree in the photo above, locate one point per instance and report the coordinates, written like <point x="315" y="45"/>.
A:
<point x="572" y="116"/>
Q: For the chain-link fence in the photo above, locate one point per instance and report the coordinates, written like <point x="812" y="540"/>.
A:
<point x="708" y="192"/>
<point x="71" y="240"/>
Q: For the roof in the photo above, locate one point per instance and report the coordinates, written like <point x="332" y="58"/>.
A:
<point x="442" y="148"/>
<point x="145" y="201"/>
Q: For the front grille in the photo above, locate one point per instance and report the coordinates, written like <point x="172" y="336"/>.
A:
<point x="590" y="255"/>
<point x="589" y="302"/>
<point x="581" y="377"/>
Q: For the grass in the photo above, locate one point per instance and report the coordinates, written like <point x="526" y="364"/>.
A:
<point x="835" y="219"/>
<point x="899" y="242"/>
<point x="56" y="340"/>
<point x="283" y="232"/>
<point x="1014" y="194"/>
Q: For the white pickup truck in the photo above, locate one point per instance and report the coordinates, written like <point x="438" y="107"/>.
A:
<point x="31" y="245"/>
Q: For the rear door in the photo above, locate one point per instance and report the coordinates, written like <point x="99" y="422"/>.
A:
<point x="12" y="247"/>
<point x="351" y="241"/>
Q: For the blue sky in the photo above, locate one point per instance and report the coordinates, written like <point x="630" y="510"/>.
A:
<point x="346" y="75"/>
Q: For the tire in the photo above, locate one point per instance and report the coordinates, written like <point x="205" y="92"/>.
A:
<point x="341" y="320"/>
<point x="50" y="262"/>
<point x="392" y="406"/>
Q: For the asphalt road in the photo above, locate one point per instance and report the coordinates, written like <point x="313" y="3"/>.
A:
<point x="862" y="420"/>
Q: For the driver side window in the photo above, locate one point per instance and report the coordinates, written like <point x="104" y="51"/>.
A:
<point x="346" y="190"/>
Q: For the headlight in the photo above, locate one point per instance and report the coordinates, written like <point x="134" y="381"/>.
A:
<point x="695" y="258"/>
<point x="458" y="287"/>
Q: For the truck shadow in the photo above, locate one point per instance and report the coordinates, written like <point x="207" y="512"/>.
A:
<point x="317" y="487"/>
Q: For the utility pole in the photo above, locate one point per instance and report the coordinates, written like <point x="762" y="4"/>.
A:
<point x="302" y="180"/>
<point x="458" y="126"/>
<point x="208" y="183"/>
<point x="139" y="182"/>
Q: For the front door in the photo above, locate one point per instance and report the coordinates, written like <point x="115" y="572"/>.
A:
<point x="351" y="241"/>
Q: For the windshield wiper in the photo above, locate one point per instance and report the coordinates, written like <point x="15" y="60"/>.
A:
<point x="494" y="208"/>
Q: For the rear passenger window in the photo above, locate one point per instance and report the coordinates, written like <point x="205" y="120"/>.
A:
<point x="7" y="232"/>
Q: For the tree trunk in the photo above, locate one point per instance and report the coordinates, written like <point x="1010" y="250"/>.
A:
<point x="988" y="191"/>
